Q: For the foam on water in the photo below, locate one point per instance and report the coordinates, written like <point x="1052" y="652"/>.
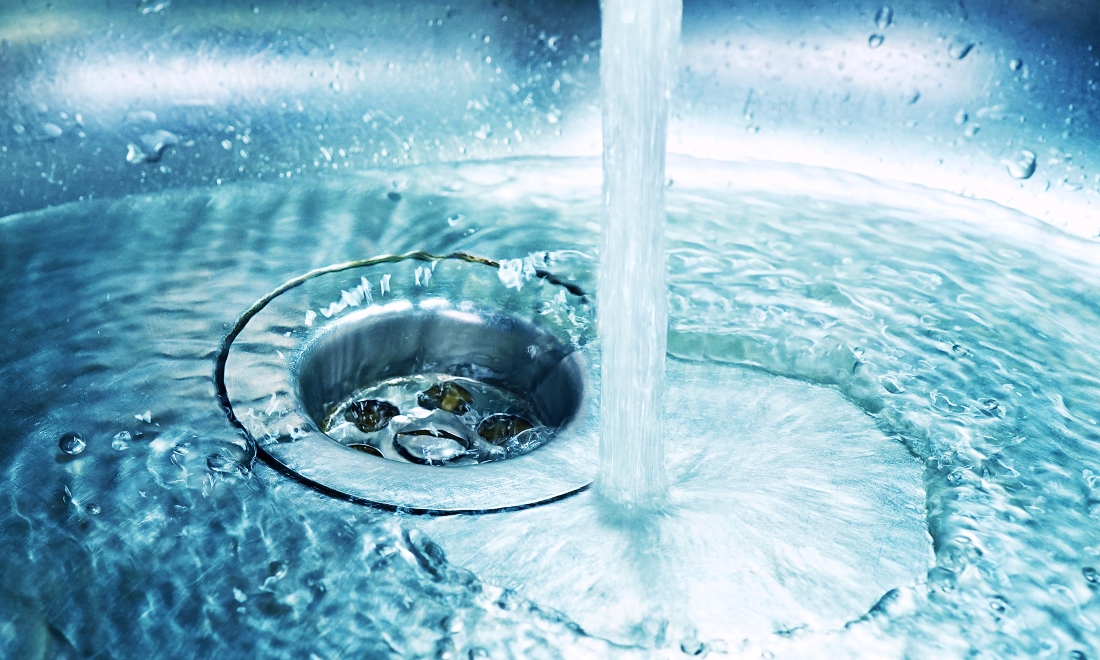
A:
<point x="960" y="335"/>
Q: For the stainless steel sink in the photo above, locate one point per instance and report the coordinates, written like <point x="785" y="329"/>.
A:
<point x="943" y="93"/>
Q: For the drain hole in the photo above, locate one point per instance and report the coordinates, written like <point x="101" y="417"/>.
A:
<point x="443" y="388"/>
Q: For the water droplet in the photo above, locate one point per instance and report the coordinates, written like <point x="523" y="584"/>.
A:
<point x="153" y="6"/>
<point x="18" y="128"/>
<point x="51" y="131"/>
<point x="455" y="219"/>
<point x="1091" y="575"/>
<point x="961" y="117"/>
<point x="277" y="569"/>
<point x="134" y="154"/>
<point x="156" y="142"/>
<point x="875" y="40"/>
<point x="972" y="130"/>
<point x="121" y="441"/>
<point x="394" y="196"/>
<point x="227" y="145"/>
<point x="960" y="47"/>
<point x="913" y="96"/>
<point x="884" y="18"/>
<point x="1022" y="166"/>
<point x="1015" y="64"/>
<point x="72" y="443"/>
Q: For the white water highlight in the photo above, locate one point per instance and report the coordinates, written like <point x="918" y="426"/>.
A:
<point x="637" y="66"/>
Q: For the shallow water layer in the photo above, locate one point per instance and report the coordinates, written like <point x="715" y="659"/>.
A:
<point x="964" y="332"/>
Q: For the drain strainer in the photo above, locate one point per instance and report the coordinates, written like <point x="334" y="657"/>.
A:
<point x="420" y="382"/>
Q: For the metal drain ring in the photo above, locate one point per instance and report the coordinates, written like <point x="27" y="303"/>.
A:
<point x="263" y="360"/>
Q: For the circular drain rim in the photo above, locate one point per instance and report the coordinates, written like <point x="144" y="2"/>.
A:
<point x="562" y="466"/>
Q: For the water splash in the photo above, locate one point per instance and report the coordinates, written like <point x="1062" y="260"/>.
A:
<point x="640" y="43"/>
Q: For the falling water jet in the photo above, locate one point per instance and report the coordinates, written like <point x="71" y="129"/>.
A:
<point x="637" y="65"/>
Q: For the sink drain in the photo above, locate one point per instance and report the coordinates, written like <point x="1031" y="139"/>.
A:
<point x="419" y="382"/>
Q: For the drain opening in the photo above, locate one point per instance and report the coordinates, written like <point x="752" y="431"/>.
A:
<point x="437" y="387"/>
<point x="420" y="382"/>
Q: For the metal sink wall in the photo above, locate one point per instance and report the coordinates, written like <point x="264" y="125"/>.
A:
<point x="944" y="93"/>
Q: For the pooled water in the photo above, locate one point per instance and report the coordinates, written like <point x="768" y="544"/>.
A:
<point x="948" y="332"/>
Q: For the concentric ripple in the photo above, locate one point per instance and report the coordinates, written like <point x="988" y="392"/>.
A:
<point x="967" y="333"/>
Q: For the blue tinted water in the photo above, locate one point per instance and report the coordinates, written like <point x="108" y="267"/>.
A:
<point x="962" y="332"/>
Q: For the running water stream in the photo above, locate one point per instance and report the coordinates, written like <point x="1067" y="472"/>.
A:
<point x="638" y="56"/>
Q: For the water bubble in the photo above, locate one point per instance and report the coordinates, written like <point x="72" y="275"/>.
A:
<point x="972" y="130"/>
<point x="1022" y="166"/>
<point x="92" y="508"/>
<point x="51" y="131"/>
<point x="121" y="441"/>
<point x="394" y="196"/>
<point x="455" y="219"/>
<point x="960" y="47"/>
<point x="72" y="443"/>
<point x="18" y="128"/>
<point x="961" y="117"/>
<point x="1015" y="64"/>
<point x="875" y="40"/>
<point x="884" y="18"/>
<point x="227" y="145"/>
<point x="913" y="96"/>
